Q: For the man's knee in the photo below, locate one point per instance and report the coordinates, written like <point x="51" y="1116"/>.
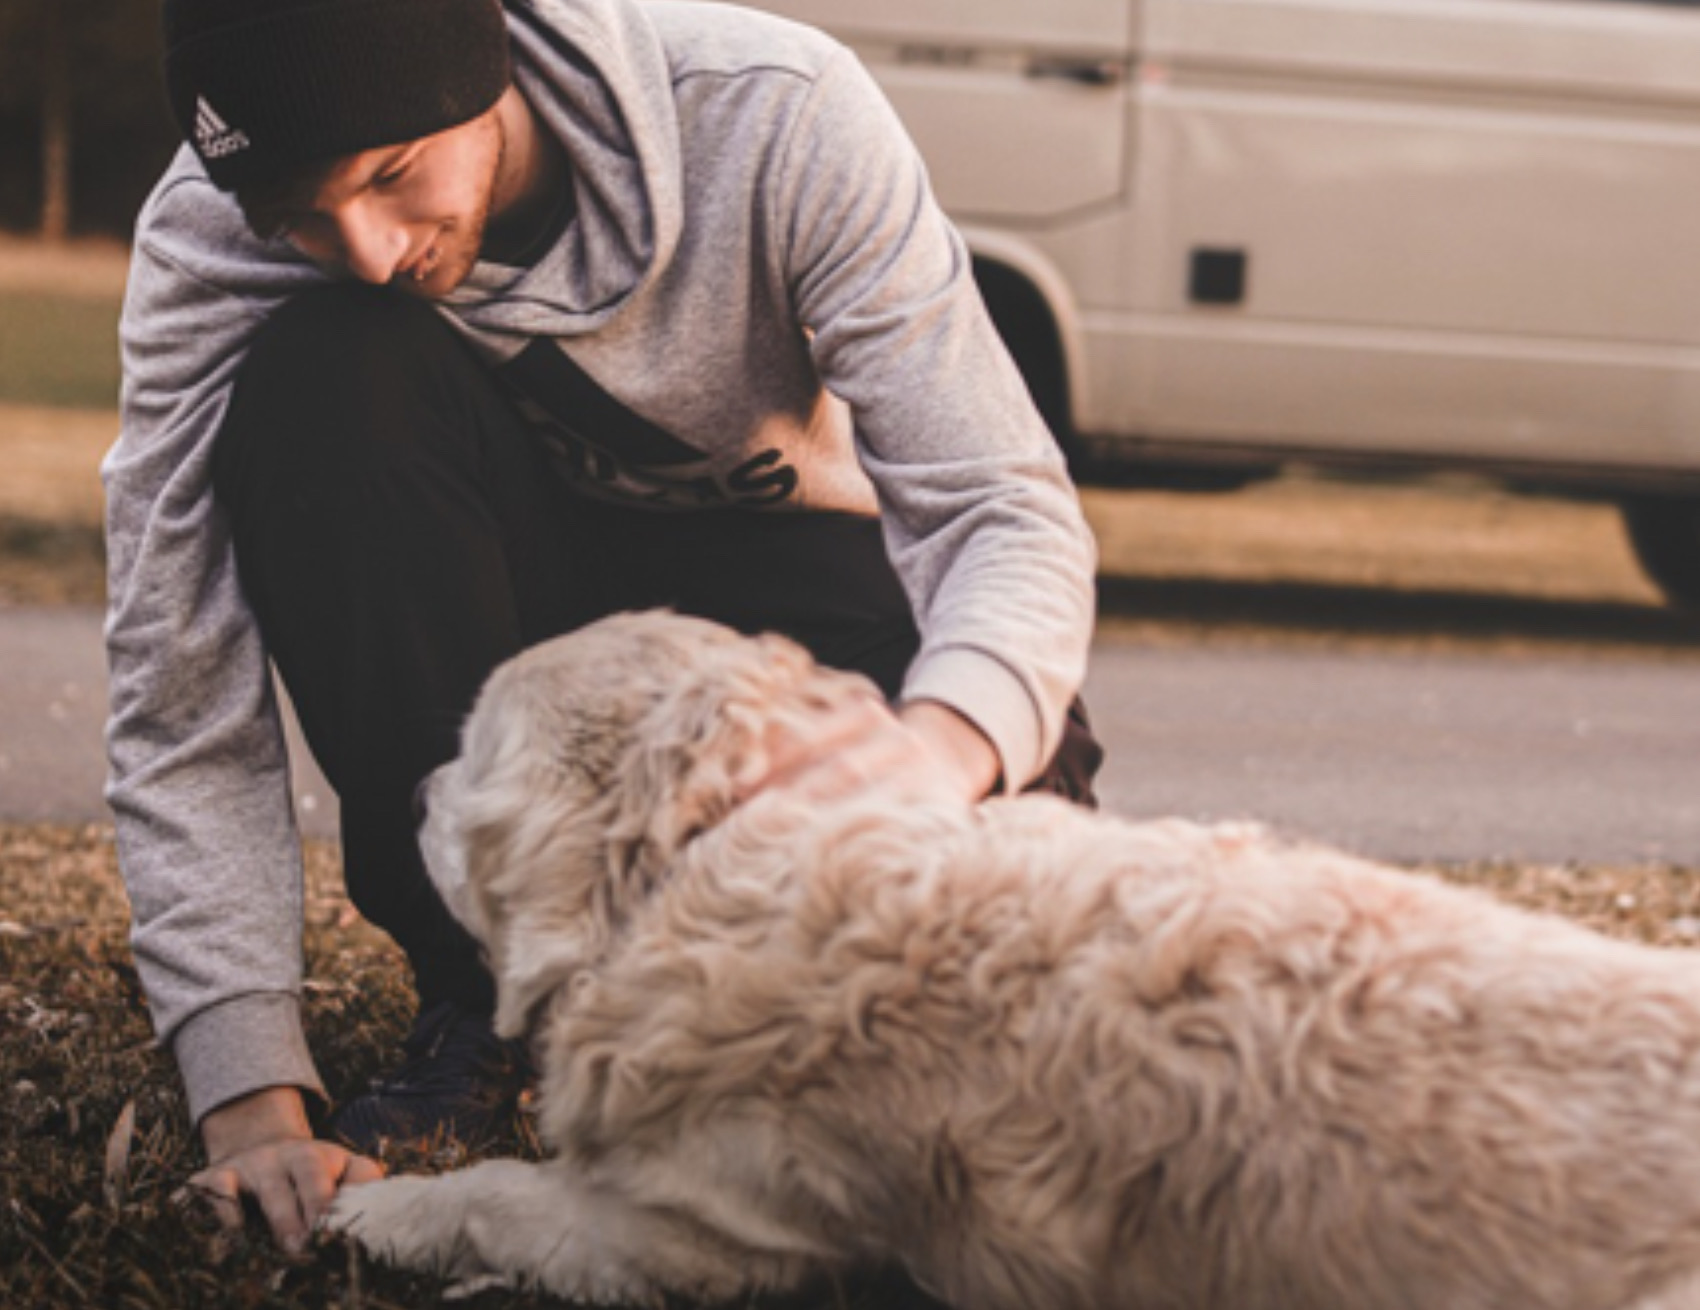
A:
<point x="344" y="374"/>
<point x="346" y="331"/>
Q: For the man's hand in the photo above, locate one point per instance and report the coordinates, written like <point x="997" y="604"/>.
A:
<point x="261" y="1146"/>
<point x="925" y="748"/>
<point x="954" y="744"/>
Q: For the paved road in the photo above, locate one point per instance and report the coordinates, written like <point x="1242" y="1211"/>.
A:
<point x="1409" y="757"/>
<point x="1412" y="757"/>
<point x="52" y="711"/>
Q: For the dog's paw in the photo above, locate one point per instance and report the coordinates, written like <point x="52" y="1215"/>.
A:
<point x="403" y="1222"/>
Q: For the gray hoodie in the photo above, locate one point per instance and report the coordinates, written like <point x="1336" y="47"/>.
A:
<point x="757" y="268"/>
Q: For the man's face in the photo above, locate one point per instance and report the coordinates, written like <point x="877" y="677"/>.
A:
<point x="411" y="214"/>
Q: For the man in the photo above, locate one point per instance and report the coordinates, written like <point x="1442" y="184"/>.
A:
<point x="455" y="327"/>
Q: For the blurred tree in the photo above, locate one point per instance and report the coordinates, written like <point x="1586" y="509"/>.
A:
<point x="84" y="128"/>
<point x="56" y="109"/>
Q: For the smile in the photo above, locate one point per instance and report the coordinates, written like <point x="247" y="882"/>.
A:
<point x="422" y="267"/>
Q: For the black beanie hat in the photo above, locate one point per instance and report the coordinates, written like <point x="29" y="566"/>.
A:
<point x="263" y="87"/>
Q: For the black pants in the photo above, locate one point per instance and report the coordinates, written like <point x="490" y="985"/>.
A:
<point x="399" y="534"/>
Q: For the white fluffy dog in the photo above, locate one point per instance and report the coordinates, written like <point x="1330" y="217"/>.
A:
<point x="1042" y="1058"/>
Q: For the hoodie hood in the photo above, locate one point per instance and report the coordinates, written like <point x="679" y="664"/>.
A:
<point x="598" y="78"/>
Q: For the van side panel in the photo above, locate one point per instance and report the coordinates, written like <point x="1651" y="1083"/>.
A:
<point x="1466" y="234"/>
<point x="1097" y="27"/>
<point x="1461" y="231"/>
<point x="1003" y="147"/>
<point x="1020" y="109"/>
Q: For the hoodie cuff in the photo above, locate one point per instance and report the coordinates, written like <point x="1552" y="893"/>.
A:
<point x="985" y="692"/>
<point x="241" y="1046"/>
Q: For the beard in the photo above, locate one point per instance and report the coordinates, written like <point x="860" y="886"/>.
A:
<point x="459" y="241"/>
<point x="455" y="252"/>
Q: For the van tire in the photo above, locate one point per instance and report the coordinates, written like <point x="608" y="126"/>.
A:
<point x="1665" y="532"/>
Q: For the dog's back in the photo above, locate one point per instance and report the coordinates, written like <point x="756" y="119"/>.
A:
<point x="1282" y="1077"/>
<point x="1047" y="1059"/>
<point x="1058" y="1059"/>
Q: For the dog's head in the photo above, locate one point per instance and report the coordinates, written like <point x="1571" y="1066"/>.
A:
<point x="587" y="763"/>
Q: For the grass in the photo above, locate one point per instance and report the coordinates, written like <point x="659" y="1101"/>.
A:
<point x="95" y="1147"/>
<point x="59" y="322"/>
<point x="97" y="1216"/>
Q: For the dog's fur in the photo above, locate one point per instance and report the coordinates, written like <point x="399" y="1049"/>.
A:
<point x="1044" y="1059"/>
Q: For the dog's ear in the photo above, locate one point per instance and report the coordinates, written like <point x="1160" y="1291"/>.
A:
<point x="443" y="847"/>
<point x="541" y="872"/>
<point x="703" y="746"/>
<point x="611" y="792"/>
<point x="682" y="772"/>
<point x="590" y="762"/>
<point x="532" y="809"/>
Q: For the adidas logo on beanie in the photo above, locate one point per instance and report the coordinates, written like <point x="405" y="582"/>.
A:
<point x="261" y="87"/>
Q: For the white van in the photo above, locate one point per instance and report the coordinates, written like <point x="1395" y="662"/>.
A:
<point x="1222" y="235"/>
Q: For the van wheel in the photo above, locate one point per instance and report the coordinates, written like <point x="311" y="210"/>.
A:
<point x="1665" y="532"/>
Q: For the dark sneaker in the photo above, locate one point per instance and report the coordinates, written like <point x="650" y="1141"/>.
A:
<point x="459" y="1082"/>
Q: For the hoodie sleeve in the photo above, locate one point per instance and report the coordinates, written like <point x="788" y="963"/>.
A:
<point x="981" y="521"/>
<point x="198" y="780"/>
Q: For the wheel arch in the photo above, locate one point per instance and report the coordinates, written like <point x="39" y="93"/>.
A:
<point x="1035" y="314"/>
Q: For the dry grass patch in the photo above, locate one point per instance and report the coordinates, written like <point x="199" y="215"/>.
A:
<point x="88" y="269"/>
<point x="52" y="460"/>
<point x="1442" y="566"/>
<point x="51" y="504"/>
<point x="44" y="563"/>
<point x="1455" y="537"/>
<point x="95" y="1147"/>
<point x="1657" y="904"/>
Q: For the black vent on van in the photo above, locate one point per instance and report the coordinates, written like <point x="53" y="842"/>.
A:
<point x="1218" y="277"/>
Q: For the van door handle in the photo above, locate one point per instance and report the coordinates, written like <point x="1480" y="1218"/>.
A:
<point x="1086" y="72"/>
